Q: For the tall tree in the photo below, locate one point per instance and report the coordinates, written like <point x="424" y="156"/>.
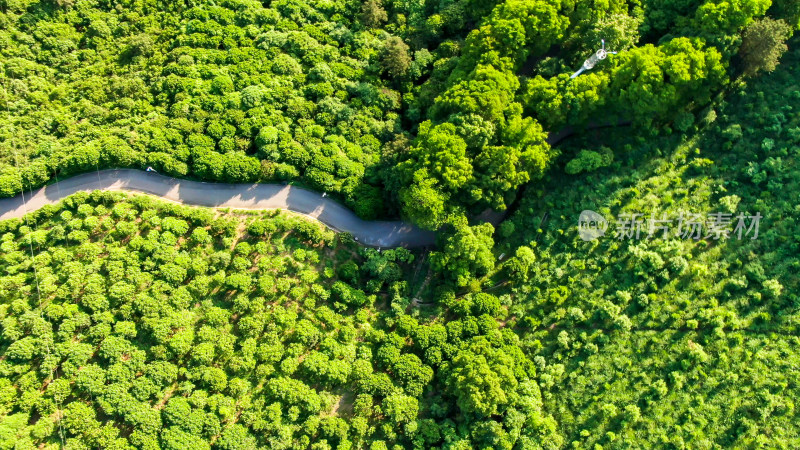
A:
<point x="482" y="378"/>
<point x="466" y="253"/>
<point x="396" y="60"/>
<point x="424" y="202"/>
<point x="372" y="13"/>
<point x="763" y="43"/>
<point x="442" y="152"/>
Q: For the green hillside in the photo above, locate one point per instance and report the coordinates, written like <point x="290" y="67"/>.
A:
<point x="129" y="322"/>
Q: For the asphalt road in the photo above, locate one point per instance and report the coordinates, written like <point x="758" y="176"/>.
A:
<point x="222" y="195"/>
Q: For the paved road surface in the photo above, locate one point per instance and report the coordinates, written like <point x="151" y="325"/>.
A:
<point x="221" y="195"/>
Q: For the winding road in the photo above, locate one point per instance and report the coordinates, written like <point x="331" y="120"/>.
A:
<point x="222" y="195"/>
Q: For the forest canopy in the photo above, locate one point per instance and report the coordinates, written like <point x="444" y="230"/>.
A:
<point x="128" y="322"/>
<point x="349" y="97"/>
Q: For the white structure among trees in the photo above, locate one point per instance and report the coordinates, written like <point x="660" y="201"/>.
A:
<point x="594" y="59"/>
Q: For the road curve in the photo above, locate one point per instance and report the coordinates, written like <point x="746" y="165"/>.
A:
<point x="223" y="195"/>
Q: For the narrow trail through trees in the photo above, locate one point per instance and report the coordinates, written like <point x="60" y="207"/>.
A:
<point x="247" y="196"/>
<point x="221" y="195"/>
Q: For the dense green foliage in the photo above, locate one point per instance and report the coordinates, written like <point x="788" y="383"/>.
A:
<point x="235" y="92"/>
<point x="188" y="329"/>
<point x="672" y="342"/>
<point x="357" y="99"/>
<point x="132" y="323"/>
<point x="127" y="322"/>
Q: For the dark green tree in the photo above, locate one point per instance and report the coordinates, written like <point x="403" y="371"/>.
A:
<point x="372" y="13"/>
<point x="763" y="43"/>
<point x="396" y="58"/>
